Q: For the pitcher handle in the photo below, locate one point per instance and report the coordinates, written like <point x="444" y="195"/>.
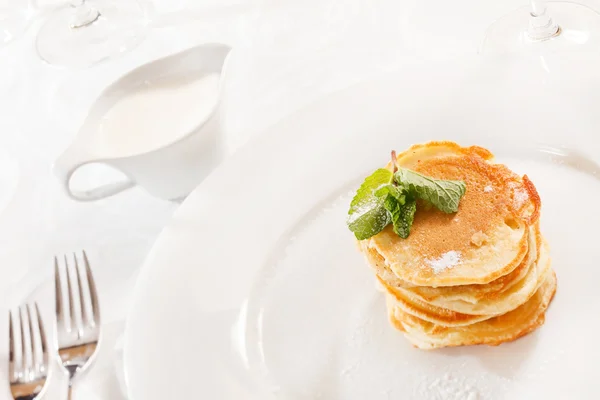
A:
<point x="70" y="162"/>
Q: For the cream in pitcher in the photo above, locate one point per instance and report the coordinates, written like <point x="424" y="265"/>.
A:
<point x="157" y="115"/>
<point x="159" y="125"/>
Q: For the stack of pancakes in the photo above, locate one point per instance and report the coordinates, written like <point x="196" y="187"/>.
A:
<point x="478" y="276"/>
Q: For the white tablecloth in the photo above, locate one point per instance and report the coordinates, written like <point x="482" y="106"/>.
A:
<point x="287" y="53"/>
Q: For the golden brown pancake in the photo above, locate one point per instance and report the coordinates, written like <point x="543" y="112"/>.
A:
<point x="442" y="315"/>
<point x="489" y="233"/>
<point x="492" y="290"/>
<point x="469" y="294"/>
<point x="493" y="331"/>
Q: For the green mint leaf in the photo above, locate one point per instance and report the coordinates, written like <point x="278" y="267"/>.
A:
<point x="391" y="190"/>
<point x="367" y="216"/>
<point x="370" y="223"/>
<point x="445" y="195"/>
<point x="365" y="195"/>
<point x="402" y="215"/>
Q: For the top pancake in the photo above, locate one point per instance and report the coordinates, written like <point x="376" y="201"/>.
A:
<point x="487" y="237"/>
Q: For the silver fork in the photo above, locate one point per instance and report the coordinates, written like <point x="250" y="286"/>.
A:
<point x="78" y="336"/>
<point x="27" y="376"/>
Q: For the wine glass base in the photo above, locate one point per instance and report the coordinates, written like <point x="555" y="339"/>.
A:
<point x="579" y="29"/>
<point x="119" y="28"/>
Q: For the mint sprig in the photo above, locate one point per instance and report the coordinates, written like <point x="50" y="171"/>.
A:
<point x="389" y="197"/>
<point x="402" y="215"/>
<point x="367" y="215"/>
<point x="445" y="195"/>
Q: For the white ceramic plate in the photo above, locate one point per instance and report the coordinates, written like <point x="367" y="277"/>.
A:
<point x="256" y="290"/>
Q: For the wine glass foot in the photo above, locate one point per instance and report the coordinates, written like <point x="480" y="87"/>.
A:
<point x="107" y="29"/>
<point x="577" y="27"/>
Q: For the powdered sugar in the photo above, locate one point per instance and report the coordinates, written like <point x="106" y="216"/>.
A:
<point x="521" y="197"/>
<point x="448" y="387"/>
<point x="488" y="189"/>
<point x="447" y="260"/>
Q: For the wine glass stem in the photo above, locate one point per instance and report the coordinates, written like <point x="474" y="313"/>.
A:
<point x="83" y="15"/>
<point x="541" y="25"/>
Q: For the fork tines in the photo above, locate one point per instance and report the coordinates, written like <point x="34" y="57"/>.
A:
<point x="78" y="330"/>
<point x="75" y="298"/>
<point x="28" y="352"/>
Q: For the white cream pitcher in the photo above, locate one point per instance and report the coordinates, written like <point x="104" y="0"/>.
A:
<point x="160" y="125"/>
